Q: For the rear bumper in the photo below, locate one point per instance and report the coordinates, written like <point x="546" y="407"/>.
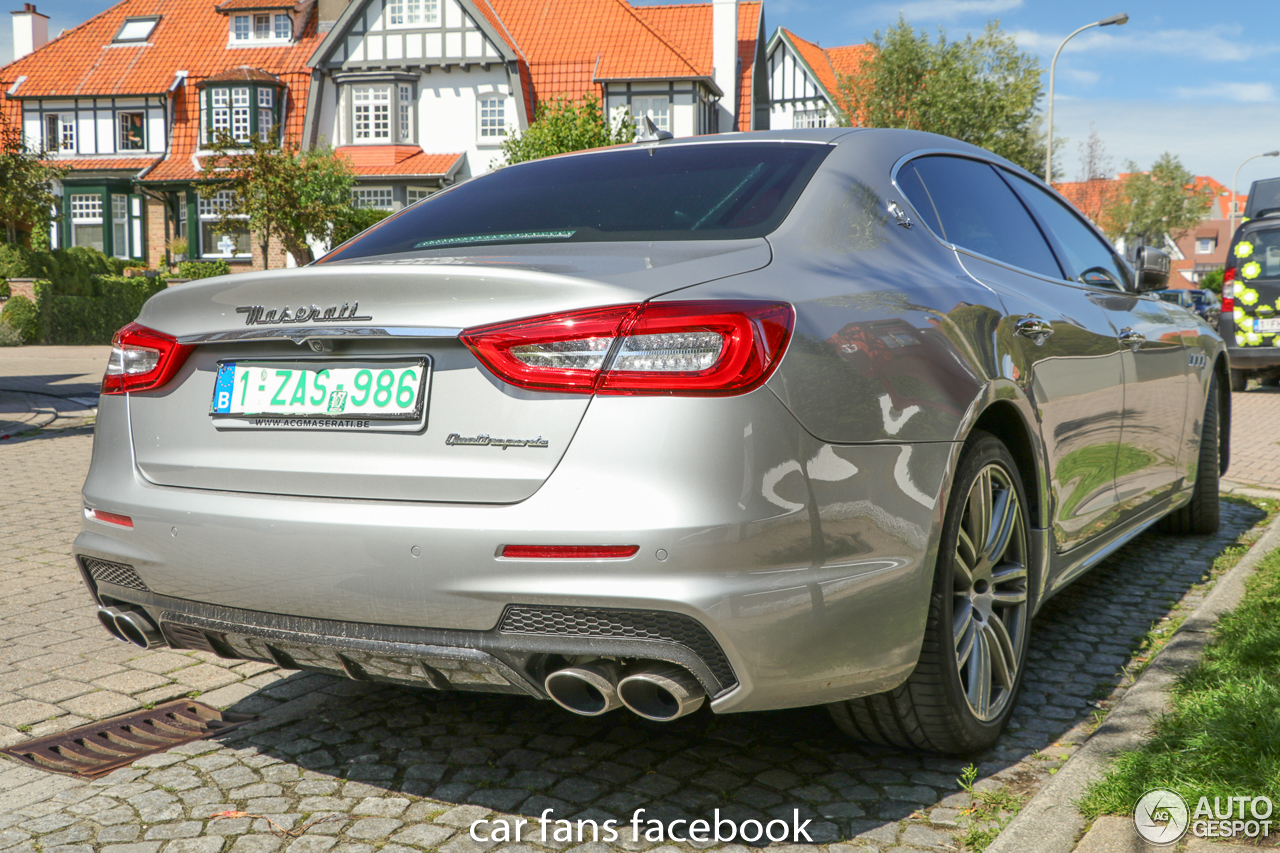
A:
<point x="807" y="565"/>
<point x="1253" y="358"/>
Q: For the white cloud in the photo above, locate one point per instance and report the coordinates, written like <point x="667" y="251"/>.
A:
<point x="943" y="10"/>
<point x="1241" y="93"/>
<point x="1080" y="75"/>
<point x="1217" y="43"/>
<point x="1142" y="130"/>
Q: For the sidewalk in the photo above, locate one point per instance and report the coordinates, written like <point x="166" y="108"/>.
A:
<point x="49" y="387"/>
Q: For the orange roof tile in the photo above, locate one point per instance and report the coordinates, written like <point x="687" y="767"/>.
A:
<point x="119" y="163"/>
<point x="246" y="5"/>
<point x="831" y="63"/>
<point x="1089" y="197"/>
<point x="379" y="160"/>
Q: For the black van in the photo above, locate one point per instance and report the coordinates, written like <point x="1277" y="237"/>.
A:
<point x="1250" y="321"/>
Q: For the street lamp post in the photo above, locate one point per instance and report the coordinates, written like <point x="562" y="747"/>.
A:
<point x="1048" y="140"/>
<point x="1232" y="217"/>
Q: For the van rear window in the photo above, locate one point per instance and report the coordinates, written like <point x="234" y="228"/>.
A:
<point x="638" y="193"/>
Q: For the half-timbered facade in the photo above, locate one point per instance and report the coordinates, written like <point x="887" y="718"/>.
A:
<point x="804" y="80"/>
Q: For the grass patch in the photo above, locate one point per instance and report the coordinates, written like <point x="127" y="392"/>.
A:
<point x="989" y="811"/>
<point x="1221" y="737"/>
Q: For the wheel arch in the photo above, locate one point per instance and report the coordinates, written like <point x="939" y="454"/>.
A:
<point x="1003" y="420"/>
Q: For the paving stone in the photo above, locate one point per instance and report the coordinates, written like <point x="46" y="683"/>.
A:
<point x="184" y="829"/>
<point x="423" y="835"/>
<point x="100" y="704"/>
<point x="24" y="712"/>
<point x="195" y="845"/>
<point x="373" y="828"/>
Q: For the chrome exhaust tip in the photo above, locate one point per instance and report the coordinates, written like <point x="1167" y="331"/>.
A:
<point x="107" y="616"/>
<point x="661" y="692"/>
<point x="132" y="626"/>
<point x="589" y="689"/>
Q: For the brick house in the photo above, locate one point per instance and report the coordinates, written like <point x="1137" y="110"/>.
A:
<point x="416" y="94"/>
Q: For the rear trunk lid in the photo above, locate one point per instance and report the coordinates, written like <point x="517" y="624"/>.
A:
<point x="483" y="440"/>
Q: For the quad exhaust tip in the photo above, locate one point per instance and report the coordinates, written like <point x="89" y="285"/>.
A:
<point x="590" y="689"/>
<point x="130" y="626"/>
<point x="661" y="692"/>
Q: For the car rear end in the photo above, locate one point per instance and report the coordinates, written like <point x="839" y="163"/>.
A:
<point x="475" y="470"/>
<point x="1250" y="319"/>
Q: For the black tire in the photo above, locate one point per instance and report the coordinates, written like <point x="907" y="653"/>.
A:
<point x="979" y="605"/>
<point x="1200" y="516"/>
<point x="1239" y="379"/>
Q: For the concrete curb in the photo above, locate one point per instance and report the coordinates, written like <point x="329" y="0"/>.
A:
<point x="1050" y="823"/>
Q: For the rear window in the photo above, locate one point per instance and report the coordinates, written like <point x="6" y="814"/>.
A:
<point x="1256" y="255"/>
<point x="665" y="192"/>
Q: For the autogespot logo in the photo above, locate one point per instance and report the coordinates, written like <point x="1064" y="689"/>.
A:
<point x="1160" y="816"/>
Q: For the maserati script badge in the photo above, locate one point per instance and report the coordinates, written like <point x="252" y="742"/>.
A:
<point x="259" y="316"/>
<point x="486" y="441"/>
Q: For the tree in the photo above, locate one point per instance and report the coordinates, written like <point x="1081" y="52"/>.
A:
<point x="1095" y="163"/>
<point x="280" y="190"/>
<point x="562" y="126"/>
<point x="1146" y="206"/>
<point x="26" y="178"/>
<point x="981" y="90"/>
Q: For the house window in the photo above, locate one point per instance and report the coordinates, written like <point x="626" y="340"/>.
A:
<point x="86" y="221"/>
<point x="376" y="198"/>
<point x="413" y="13"/>
<point x="809" y="118"/>
<point x="371" y="111"/>
<point x="120" y="226"/>
<point x="60" y="132"/>
<point x="272" y="29"/>
<point x="1206" y="245"/>
<point x="656" y="108"/>
<point x="182" y="221"/>
<point x="216" y="241"/>
<point x="416" y="194"/>
<point x="406" y="113"/>
<point x="131" y="134"/>
<point x="136" y="29"/>
<point x="266" y="113"/>
<point x="242" y="111"/>
<point x="493" y="122"/>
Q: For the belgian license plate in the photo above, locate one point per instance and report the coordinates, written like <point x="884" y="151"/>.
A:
<point x="1271" y="324"/>
<point x="325" y="395"/>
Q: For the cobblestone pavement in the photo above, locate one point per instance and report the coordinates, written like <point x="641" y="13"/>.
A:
<point x="348" y="767"/>
<point x="1255" y="437"/>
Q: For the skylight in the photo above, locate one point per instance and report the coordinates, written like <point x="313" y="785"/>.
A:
<point x="136" y="29"/>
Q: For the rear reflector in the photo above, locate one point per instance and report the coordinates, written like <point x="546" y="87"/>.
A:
<point x="142" y="359"/>
<point x="704" y="348"/>
<point x="569" y="552"/>
<point x="110" y="518"/>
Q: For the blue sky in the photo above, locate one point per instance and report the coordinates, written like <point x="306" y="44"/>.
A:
<point x="1201" y="80"/>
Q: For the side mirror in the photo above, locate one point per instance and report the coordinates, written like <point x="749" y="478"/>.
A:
<point x="1153" y="269"/>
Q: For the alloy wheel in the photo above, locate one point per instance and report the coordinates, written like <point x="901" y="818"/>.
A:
<point x="989" y="593"/>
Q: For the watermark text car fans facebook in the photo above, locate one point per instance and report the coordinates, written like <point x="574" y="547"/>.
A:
<point x="1161" y="816"/>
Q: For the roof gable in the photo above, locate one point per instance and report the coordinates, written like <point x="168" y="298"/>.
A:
<point x="362" y="37"/>
<point x="824" y="66"/>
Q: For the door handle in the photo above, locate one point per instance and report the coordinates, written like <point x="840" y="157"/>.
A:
<point x="1034" y="328"/>
<point x="1131" y="338"/>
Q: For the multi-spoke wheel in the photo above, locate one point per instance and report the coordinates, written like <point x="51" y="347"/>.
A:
<point x="962" y="691"/>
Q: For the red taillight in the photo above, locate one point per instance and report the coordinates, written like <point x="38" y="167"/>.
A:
<point x="1229" y="275"/>
<point x="690" y="348"/>
<point x="1228" y="303"/>
<point x="142" y="359"/>
<point x="110" y="518"/>
<point x="569" y="552"/>
<point x="1228" y="298"/>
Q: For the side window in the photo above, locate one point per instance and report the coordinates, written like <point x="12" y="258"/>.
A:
<point x="1088" y="258"/>
<point x="967" y="204"/>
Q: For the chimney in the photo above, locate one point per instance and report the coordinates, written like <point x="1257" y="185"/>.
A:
<point x="330" y="11"/>
<point x="30" y="30"/>
<point x="724" y="59"/>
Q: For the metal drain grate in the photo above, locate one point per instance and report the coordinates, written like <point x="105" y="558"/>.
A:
<point x="94" y="750"/>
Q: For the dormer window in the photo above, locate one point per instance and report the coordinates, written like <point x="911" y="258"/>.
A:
<point x="261" y="28"/>
<point x="247" y="106"/>
<point x="136" y="30"/>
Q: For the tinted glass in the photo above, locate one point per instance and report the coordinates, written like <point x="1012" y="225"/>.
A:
<point x="913" y="188"/>
<point x="1088" y="258"/>
<point x="1263" y="249"/>
<point x="679" y="192"/>
<point x="977" y="211"/>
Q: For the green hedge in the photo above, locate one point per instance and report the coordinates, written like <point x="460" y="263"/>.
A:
<point x="114" y="301"/>
<point x="21" y="315"/>
<point x="203" y="269"/>
<point x="71" y="271"/>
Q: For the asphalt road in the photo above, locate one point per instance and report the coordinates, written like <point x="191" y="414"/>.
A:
<point x="398" y="769"/>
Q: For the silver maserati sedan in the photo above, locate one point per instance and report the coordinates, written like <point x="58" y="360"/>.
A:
<point x="750" y="421"/>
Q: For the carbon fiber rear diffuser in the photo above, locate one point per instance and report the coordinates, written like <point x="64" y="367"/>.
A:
<point x="97" y="749"/>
